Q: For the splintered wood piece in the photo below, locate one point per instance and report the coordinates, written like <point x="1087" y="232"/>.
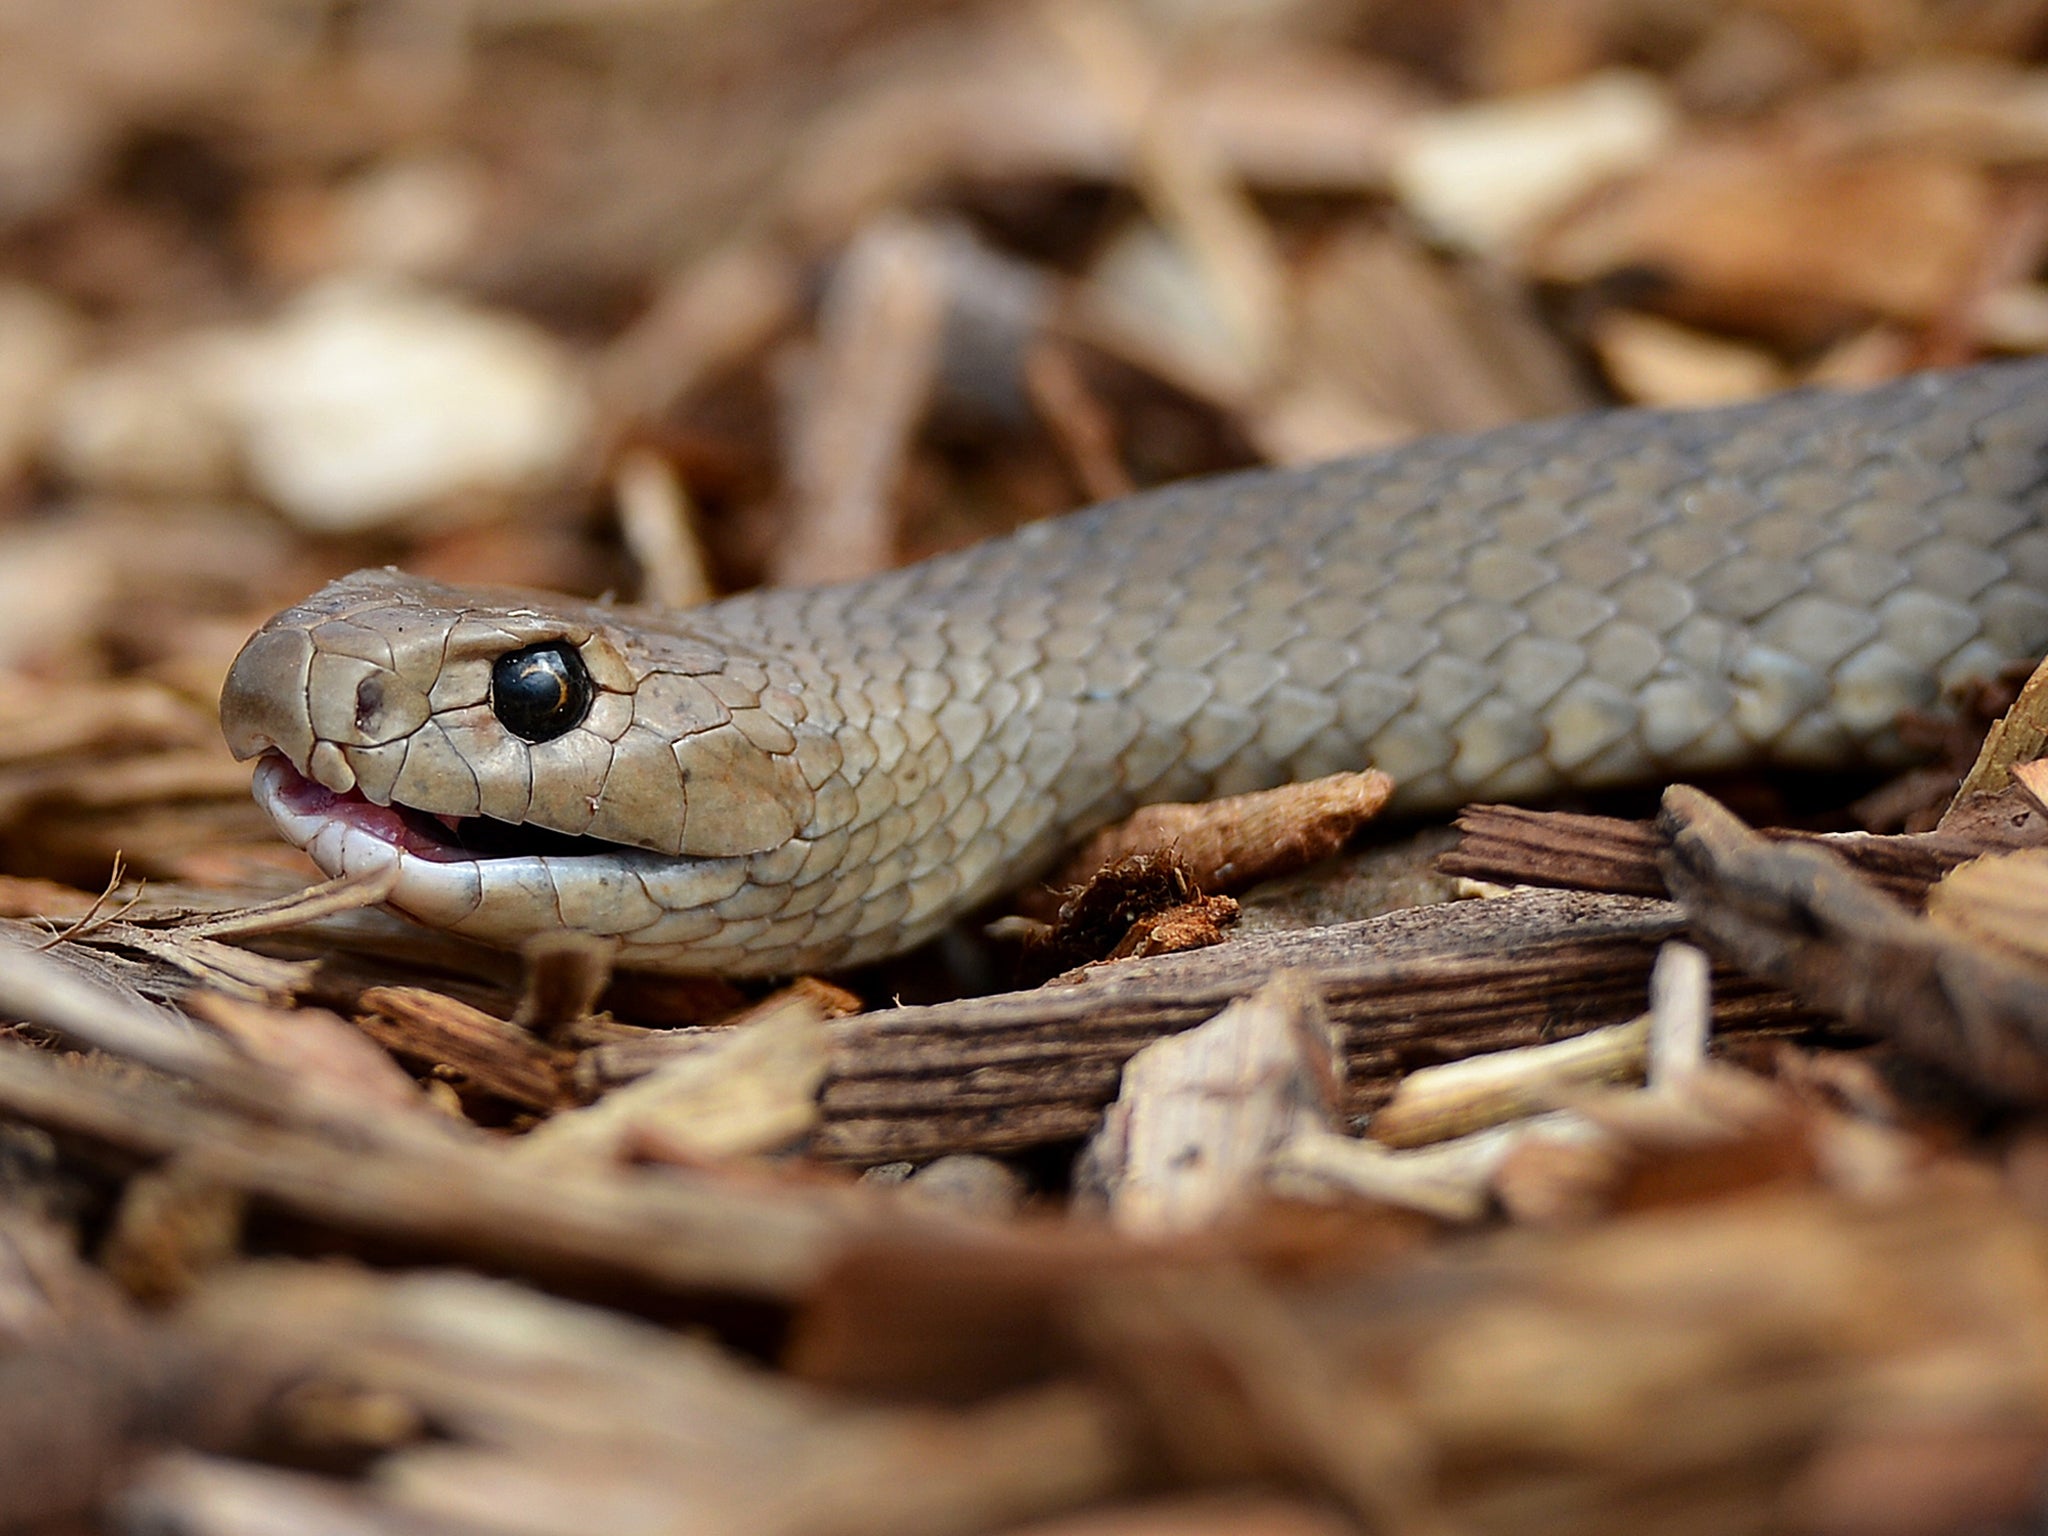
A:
<point x="746" y="1090"/>
<point x="1199" y="1113"/>
<point x="2000" y="899"/>
<point x="476" y="1049"/>
<point x="1802" y="918"/>
<point x="565" y="973"/>
<point x="1411" y="988"/>
<point x="1231" y="844"/>
<point x="311" y="1044"/>
<point x="1509" y="845"/>
<point x="611" y="1062"/>
<point x="2019" y="736"/>
<point x="492" y="1409"/>
<point x="68" y="991"/>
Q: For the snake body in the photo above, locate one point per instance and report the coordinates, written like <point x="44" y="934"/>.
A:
<point x="798" y="779"/>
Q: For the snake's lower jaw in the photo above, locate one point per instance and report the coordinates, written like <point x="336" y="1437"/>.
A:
<point x="329" y="826"/>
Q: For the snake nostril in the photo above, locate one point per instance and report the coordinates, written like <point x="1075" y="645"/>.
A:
<point x="369" y="703"/>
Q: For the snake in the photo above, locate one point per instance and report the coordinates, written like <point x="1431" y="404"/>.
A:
<point x="803" y="779"/>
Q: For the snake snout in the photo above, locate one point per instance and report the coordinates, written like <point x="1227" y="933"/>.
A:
<point x="263" y="704"/>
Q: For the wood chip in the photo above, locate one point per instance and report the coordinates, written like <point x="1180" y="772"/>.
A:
<point x="877" y="359"/>
<point x="1199" y="1113"/>
<point x="467" y="1046"/>
<point x="1440" y="1103"/>
<point x="1654" y="362"/>
<point x="751" y="1089"/>
<point x="1451" y="1179"/>
<point x="1765" y="236"/>
<point x="1799" y="916"/>
<point x="1230" y="844"/>
<point x="655" y="522"/>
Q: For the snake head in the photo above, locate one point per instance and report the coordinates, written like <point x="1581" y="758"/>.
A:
<point x="487" y="736"/>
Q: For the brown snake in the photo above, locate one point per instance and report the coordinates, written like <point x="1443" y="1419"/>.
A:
<point x="796" y="779"/>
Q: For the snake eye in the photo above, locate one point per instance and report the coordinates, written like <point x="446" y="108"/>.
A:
<point x="541" y="692"/>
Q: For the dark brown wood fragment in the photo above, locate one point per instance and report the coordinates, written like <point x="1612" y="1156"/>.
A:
<point x="475" y="1049"/>
<point x="1511" y="845"/>
<point x="1799" y="916"/>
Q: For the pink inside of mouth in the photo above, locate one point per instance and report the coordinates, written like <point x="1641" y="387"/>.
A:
<point x="408" y="831"/>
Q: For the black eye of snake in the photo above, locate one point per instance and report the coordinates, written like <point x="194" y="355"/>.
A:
<point x="541" y="692"/>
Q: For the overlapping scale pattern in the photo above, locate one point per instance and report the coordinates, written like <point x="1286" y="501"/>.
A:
<point x="823" y="777"/>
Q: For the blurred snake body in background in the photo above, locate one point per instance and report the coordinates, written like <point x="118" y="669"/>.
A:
<point x="793" y="780"/>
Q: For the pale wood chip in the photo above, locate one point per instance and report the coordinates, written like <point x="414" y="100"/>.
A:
<point x="1451" y="1180"/>
<point x="655" y="522"/>
<point x="878" y="355"/>
<point x="1439" y="1103"/>
<point x="1681" y="1013"/>
<point x="1199" y="1113"/>
<point x="1655" y="362"/>
<point x="2001" y="899"/>
<point x="747" y="1090"/>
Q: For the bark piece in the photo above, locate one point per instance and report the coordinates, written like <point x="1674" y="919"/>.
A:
<point x="2020" y="735"/>
<point x="544" y="1410"/>
<point x="311" y="1043"/>
<point x="634" y="1053"/>
<point x="1765" y="236"/>
<point x="465" y="1045"/>
<point x="1134" y="904"/>
<point x="565" y="974"/>
<point x="1799" y="916"/>
<point x="422" y="1187"/>
<point x="749" y="1089"/>
<point x="1230" y="844"/>
<point x="1199" y="1113"/>
<point x="1508" y="844"/>
<point x="1415" y="987"/>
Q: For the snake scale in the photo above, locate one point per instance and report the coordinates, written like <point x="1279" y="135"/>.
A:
<point x="800" y="779"/>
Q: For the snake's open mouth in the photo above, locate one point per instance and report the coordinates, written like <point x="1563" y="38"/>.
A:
<point x="305" y="811"/>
